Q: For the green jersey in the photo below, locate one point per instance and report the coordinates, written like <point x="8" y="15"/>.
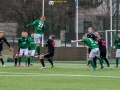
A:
<point x="32" y="45"/>
<point x="23" y="42"/>
<point x="90" y="42"/>
<point x="39" y="26"/>
<point x="117" y="43"/>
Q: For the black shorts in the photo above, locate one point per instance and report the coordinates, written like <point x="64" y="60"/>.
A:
<point x="0" y="52"/>
<point x="103" y="53"/>
<point x="48" y="55"/>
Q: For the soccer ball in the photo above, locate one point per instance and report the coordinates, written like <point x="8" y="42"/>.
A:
<point x="51" y="2"/>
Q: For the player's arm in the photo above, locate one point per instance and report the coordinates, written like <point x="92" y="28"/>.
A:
<point x="76" y="40"/>
<point x="32" y="24"/>
<point x="46" y="44"/>
<point x="114" y="44"/>
<point x="5" y="40"/>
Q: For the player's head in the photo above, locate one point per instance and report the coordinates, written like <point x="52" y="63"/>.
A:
<point x="90" y="29"/>
<point x="1" y="33"/>
<point x="42" y="18"/>
<point x="52" y="37"/>
<point x="26" y="34"/>
<point x="119" y="35"/>
<point x="23" y="34"/>
<point x="84" y="36"/>
<point x="32" y="34"/>
<point x="100" y="35"/>
<point x="97" y="33"/>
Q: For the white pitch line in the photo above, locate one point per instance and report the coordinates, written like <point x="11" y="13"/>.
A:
<point x="60" y="75"/>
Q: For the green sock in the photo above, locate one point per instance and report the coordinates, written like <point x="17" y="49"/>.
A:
<point x="19" y="59"/>
<point x="117" y="61"/>
<point x="100" y="60"/>
<point x="38" y="50"/>
<point x="26" y="60"/>
<point x="31" y="59"/>
<point x="93" y="65"/>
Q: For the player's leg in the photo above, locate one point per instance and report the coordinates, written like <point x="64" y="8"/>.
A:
<point x="29" y="52"/>
<point x="1" y="59"/>
<point x="94" y="60"/>
<point x="26" y="57"/>
<point x="50" y="60"/>
<point x="117" y="57"/>
<point x="42" y="61"/>
<point x="32" y="56"/>
<point x="19" y="57"/>
<point x="16" y="59"/>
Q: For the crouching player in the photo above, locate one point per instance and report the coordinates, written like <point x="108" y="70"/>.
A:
<point x="117" y="46"/>
<point x="23" y="43"/>
<point x="50" y="44"/>
<point x="94" y="50"/>
<point x="32" y="49"/>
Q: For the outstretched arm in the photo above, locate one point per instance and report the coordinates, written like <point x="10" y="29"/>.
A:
<point x="76" y="40"/>
<point x="32" y="24"/>
<point x="7" y="44"/>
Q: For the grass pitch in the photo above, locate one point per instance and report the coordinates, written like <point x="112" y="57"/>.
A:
<point x="64" y="76"/>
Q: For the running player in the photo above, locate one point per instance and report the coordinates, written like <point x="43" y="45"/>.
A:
<point x="23" y="43"/>
<point x="39" y="28"/>
<point x="50" y="44"/>
<point x="94" y="50"/>
<point x="94" y="37"/>
<point x="32" y="48"/>
<point x="2" y="40"/>
<point x="117" y="46"/>
<point x="102" y="46"/>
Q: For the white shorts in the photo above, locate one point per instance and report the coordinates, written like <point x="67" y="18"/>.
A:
<point x="31" y="52"/>
<point x="118" y="53"/>
<point x="37" y="38"/>
<point x="94" y="52"/>
<point x="23" y="51"/>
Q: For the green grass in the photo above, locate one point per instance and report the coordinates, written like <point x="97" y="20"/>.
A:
<point x="64" y="76"/>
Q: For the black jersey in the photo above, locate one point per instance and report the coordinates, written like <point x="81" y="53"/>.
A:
<point x="92" y="36"/>
<point x="2" y="40"/>
<point x="101" y="43"/>
<point x="50" y="44"/>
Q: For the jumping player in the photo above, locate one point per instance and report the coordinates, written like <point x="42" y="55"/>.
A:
<point x="39" y="28"/>
<point x="2" y="40"/>
<point x="117" y="46"/>
<point x="23" y="43"/>
<point x="94" y="50"/>
<point x="102" y="46"/>
<point x="32" y="48"/>
<point x="50" y="44"/>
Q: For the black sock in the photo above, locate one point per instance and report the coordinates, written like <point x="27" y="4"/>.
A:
<point x="28" y="61"/>
<point x="106" y="60"/>
<point x="88" y="63"/>
<point x="42" y="62"/>
<point x="2" y="61"/>
<point x="16" y="59"/>
<point x="94" y="60"/>
<point x="50" y="61"/>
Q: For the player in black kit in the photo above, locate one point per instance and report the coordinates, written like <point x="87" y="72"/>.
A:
<point x="50" y="44"/>
<point x="94" y="37"/>
<point x="2" y="40"/>
<point x="102" y="46"/>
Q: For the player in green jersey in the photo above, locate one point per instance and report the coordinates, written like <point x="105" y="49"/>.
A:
<point x="23" y="44"/>
<point x="39" y="28"/>
<point x="117" y="46"/>
<point x="94" y="50"/>
<point x="32" y="48"/>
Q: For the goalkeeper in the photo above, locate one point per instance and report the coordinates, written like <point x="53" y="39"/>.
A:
<point x="94" y="50"/>
<point x="39" y="28"/>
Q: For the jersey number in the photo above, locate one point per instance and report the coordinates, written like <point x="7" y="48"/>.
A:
<point x="40" y="26"/>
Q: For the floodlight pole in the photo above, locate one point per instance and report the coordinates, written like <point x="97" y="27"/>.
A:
<point x="43" y="15"/>
<point x="76" y="2"/>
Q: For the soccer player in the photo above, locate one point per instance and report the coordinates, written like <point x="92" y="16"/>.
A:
<point x="32" y="48"/>
<point x="102" y="46"/>
<point x="50" y="44"/>
<point x="94" y="50"/>
<point x="94" y="37"/>
<point x="117" y="46"/>
<point x="39" y="28"/>
<point x="23" y="43"/>
<point x="2" y="40"/>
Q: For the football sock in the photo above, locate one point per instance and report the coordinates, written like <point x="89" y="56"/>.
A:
<point x="100" y="60"/>
<point x="31" y="59"/>
<point x="38" y="50"/>
<point x="19" y="59"/>
<point x="16" y="59"/>
<point x="42" y="62"/>
<point x="117" y="61"/>
<point x="26" y="60"/>
<point x="92" y="64"/>
<point x="88" y="62"/>
<point x="94" y="60"/>
<point x="2" y="61"/>
<point x="50" y="61"/>
<point x="106" y="60"/>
